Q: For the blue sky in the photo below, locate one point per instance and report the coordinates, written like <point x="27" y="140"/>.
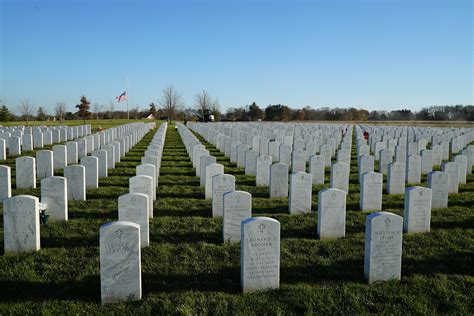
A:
<point x="378" y="54"/>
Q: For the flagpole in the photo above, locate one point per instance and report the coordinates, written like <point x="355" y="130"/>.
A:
<point x="128" y="97"/>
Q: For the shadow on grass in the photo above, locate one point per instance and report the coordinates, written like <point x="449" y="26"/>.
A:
<point x="87" y="289"/>
<point x="225" y="280"/>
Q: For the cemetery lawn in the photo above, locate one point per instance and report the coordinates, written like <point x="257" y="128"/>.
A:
<point x="188" y="270"/>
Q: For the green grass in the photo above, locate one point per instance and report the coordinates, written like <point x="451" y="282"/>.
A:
<point x="188" y="270"/>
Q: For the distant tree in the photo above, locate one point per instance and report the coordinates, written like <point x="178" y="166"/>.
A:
<point x="96" y="108"/>
<point x="216" y="110"/>
<point x="203" y="102"/>
<point x="135" y="113"/>
<point x="171" y="102"/>
<point x="111" y="110"/>
<point x="41" y="115"/>
<point x="255" y="112"/>
<point x="5" y="114"/>
<point x="277" y="112"/>
<point x="60" y="110"/>
<point x="152" y="109"/>
<point x="83" y="109"/>
<point x="26" y="110"/>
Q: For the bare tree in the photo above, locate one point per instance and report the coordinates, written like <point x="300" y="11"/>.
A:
<point x="135" y="113"/>
<point x="60" y="110"/>
<point x="111" y="110"/>
<point x="96" y="108"/>
<point x="203" y="101"/>
<point x="26" y="109"/>
<point x="171" y="102"/>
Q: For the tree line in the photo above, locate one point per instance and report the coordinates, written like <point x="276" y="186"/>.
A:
<point x="170" y="106"/>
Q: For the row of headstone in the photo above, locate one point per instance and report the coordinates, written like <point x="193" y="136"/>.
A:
<point x="16" y="139"/>
<point x="21" y="213"/>
<point x="121" y="241"/>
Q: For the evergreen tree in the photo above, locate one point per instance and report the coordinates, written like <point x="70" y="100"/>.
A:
<point x="41" y="115"/>
<point x="83" y="109"/>
<point x="152" y="109"/>
<point x="4" y="114"/>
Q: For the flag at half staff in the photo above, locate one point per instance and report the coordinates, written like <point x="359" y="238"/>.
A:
<point x="122" y="97"/>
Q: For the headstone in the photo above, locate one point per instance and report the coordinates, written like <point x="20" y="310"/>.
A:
<point x="278" y="180"/>
<point x="120" y="262"/>
<point x="71" y="153"/>
<point x="426" y="161"/>
<point x="237" y="208"/>
<point x="54" y="195"/>
<point x="210" y="171"/>
<point x="260" y="254"/>
<point x="221" y="184"/>
<point x="148" y="170"/>
<point x="366" y="164"/>
<point x="25" y="172"/>
<point x="251" y="162"/>
<point x="144" y="185"/>
<point x="298" y="161"/>
<point x="383" y="247"/>
<point x="14" y="146"/>
<point x="371" y="191"/>
<point x="21" y="229"/>
<point x="76" y="182"/>
<point x="59" y="157"/>
<point x="5" y="183"/>
<point x="452" y="169"/>
<point x="340" y="176"/>
<point x="44" y="164"/>
<point x="396" y="178"/>
<point x="110" y="149"/>
<point x="438" y="182"/>
<point x="413" y="172"/>
<point x="417" y="215"/>
<point x="263" y="165"/>
<point x="461" y="160"/>
<point x="301" y="184"/>
<point x="331" y="213"/>
<point x="91" y="165"/>
<point x="103" y="162"/>
<point x="203" y="162"/>
<point x="27" y="142"/>
<point x="285" y="154"/>
<point x="316" y="168"/>
<point x="385" y="159"/>
<point x="133" y="207"/>
<point x="3" y="149"/>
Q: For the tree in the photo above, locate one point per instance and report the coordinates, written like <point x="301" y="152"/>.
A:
<point x="170" y="102"/>
<point x="111" y="110"/>
<point x="60" y="110"/>
<point x="5" y="114"/>
<point x="41" y="114"/>
<point x="96" y="108"/>
<point x="203" y="102"/>
<point x="216" y="110"/>
<point x="255" y="112"/>
<point x="135" y="113"/>
<point x="26" y="110"/>
<point x="152" y="110"/>
<point x="277" y="112"/>
<point x="83" y="109"/>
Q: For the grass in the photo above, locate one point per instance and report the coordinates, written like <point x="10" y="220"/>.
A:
<point x="188" y="270"/>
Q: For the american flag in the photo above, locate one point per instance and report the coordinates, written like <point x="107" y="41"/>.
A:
<point x="122" y="97"/>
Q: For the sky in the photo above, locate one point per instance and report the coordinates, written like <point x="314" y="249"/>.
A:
<point x="372" y="54"/>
